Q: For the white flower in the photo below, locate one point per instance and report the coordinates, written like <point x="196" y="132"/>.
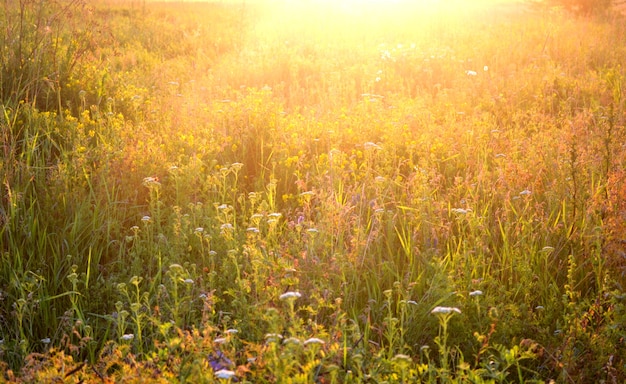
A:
<point x="525" y="192"/>
<point x="220" y="340"/>
<point x="225" y="374"/>
<point x="411" y="302"/>
<point x="253" y="230"/>
<point x="312" y="230"/>
<point x="231" y="331"/>
<point x="402" y="358"/>
<point x="445" y="310"/>
<point x="188" y="281"/>
<point x="471" y="73"/>
<point x="307" y="193"/>
<point x="460" y="211"/>
<point x="199" y="230"/>
<point x="292" y="340"/>
<point x="227" y="226"/>
<point x="275" y="214"/>
<point x="223" y="206"/>
<point x="485" y="68"/>
<point x="46" y="340"/>
<point x="290" y="295"/>
<point x="314" y="340"/>
<point x="370" y="145"/>
<point x="379" y="179"/>
<point x="273" y="337"/>
<point x="547" y="248"/>
<point x="476" y="293"/>
<point x="128" y="337"/>
<point x="146" y="219"/>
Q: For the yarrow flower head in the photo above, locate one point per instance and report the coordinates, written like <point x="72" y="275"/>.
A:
<point x="290" y="295"/>
<point x="314" y="340"/>
<point x="128" y="337"/>
<point x="476" y="293"/>
<point x="273" y="337"/>
<point x="225" y="374"/>
<point x="445" y="310"/>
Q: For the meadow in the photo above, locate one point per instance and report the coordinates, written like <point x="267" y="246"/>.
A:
<point x="259" y="193"/>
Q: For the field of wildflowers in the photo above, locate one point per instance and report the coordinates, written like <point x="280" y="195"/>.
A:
<point x="233" y="192"/>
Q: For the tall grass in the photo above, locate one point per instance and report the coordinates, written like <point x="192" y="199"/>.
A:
<point x="266" y="198"/>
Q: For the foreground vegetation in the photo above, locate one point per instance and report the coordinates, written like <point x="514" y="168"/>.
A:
<point x="310" y="195"/>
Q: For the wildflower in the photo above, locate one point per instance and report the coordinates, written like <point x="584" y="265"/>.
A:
<point x="307" y="193"/>
<point x="445" y="310"/>
<point x="292" y="340"/>
<point x="236" y="166"/>
<point x="46" y="340"/>
<point x="471" y="73"/>
<point x="460" y="211"/>
<point x="219" y="361"/>
<point x="231" y="331"/>
<point x="173" y="168"/>
<point x="223" y="206"/>
<point x="485" y="68"/>
<point x="312" y="230"/>
<point x="174" y="83"/>
<point x="253" y="230"/>
<point x="134" y="228"/>
<point x="314" y="340"/>
<point x="220" y="340"/>
<point x="128" y="337"/>
<point x="272" y="221"/>
<point x="188" y="281"/>
<point x="476" y="293"/>
<point x="212" y="253"/>
<point x="203" y="296"/>
<point x="547" y="248"/>
<point x="525" y="192"/>
<point x="275" y="214"/>
<point x="402" y="358"/>
<point x="379" y="179"/>
<point x="539" y="307"/>
<point x="146" y="219"/>
<point x="150" y="181"/>
<point x="225" y="374"/>
<point x="499" y="155"/>
<point x="373" y="146"/>
<point x="411" y="302"/>
<point x="199" y="230"/>
<point x="226" y="226"/>
<point x="273" y="337"/>
<point x="290" y="295"/>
